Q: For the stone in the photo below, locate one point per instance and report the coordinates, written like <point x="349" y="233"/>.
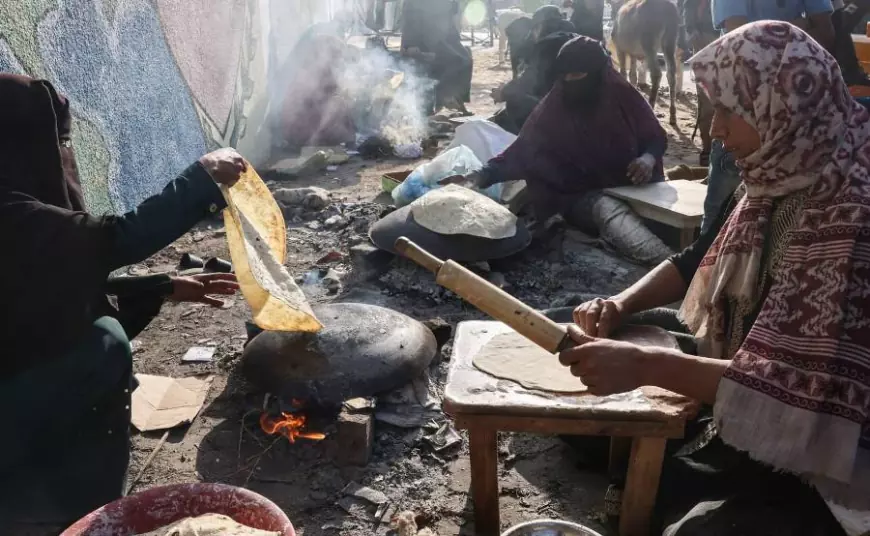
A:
<point x="350" y="357"/>
<point x="441" y="329"/>
<point x="354" y="438"/>
<point x="369" y="261"/>
<point x="310" y="197"/>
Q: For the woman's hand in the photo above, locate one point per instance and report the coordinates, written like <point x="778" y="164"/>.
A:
<point x="599" y="317"/>
<point x="498" y="94"/>
<point x="197" y="288"/>
<point x="224" y="165"/>
<point x="640" y="170"/>
<point x="462" y="180"/>
<point x="606" y="366"/>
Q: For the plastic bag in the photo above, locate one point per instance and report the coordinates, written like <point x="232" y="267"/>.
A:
<point x="457" y="161"/>
<point x="485" y="139"/>
<point x="257" y="240"/>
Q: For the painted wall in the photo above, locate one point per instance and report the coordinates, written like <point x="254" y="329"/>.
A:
<point x="154" y="84"/>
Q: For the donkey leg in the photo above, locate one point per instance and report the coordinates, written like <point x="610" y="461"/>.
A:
<point x="641" y="73"/>
<point x="672" y="83"/>
<point x="621" y="57"/>
<point x="671" y="51"/>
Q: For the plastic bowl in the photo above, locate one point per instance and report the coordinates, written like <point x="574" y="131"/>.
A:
<point x="164" y="505"/>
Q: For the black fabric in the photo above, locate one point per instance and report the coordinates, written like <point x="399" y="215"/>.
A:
<point x="428" y="25"/>
<point x="53" y="279"/>
<point x="101" y="245"/>
<point x="67" y="449"/>
<point x="844" y="47"/>
<point x="748" y="498"/>
<point x="519" y="42"/>
<point x="589" y="22"/>
<point x="34" y="143"/>
<point x="523" y="94"/>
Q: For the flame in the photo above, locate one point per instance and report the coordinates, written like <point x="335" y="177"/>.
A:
<point x="289" y="426"/>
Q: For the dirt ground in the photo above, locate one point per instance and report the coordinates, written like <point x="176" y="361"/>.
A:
<point x="539" y="476"/>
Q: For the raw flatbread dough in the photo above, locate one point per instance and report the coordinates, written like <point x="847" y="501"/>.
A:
<point x="456" y="210"/>
<point x="209" y="525"/>
<point x="511" y="356"/>
<point x="257" y="240"/>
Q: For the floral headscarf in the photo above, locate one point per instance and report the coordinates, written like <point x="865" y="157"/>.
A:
<point x="797" y="392"/>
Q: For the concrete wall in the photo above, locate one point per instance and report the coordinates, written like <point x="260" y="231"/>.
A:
<point x="154" y="84"/>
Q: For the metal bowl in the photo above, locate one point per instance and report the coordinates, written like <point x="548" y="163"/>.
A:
<point x="549" y="527"/>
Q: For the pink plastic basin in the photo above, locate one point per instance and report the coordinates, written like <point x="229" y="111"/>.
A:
<point x="164" y="505"/>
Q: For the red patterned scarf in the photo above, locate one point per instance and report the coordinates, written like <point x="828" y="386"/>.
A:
<point x="797" y="392"/>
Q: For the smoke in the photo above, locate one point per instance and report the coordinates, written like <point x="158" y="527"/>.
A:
<point x="389" y="97"/>
<point x="330" y="93"/>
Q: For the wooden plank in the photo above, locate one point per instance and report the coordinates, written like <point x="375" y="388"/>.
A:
<point x="483" y="451"/>
<point x="555" y="426"/>
<point x="677" y="203"/>
<point x="641" y="486"/>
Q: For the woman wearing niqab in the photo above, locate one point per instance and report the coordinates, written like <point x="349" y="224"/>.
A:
<point x="66" y="365"/>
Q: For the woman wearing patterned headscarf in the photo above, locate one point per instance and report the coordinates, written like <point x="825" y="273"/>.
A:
<point x="778" y="303"/>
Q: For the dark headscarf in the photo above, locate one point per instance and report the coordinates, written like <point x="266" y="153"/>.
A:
<point x="56" y="262"/>
<point x="35" y="142"/>
<point x="544" y="13"/>
<point x="590" y="60"/>
<point x="519" y="42"/>
<point x="563" y="153"/>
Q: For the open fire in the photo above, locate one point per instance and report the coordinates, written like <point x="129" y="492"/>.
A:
<point x="289" y="425"/>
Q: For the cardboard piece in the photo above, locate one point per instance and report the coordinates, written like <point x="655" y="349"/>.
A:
<point x="160" y="403"/>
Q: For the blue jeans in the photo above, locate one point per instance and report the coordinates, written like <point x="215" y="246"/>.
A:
<point x="723" y="180"/>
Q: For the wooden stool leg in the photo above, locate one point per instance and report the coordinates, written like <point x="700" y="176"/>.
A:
<point x="641" y="486"/>
<point x="484" y="480"/>
<point x="687" y="237"/>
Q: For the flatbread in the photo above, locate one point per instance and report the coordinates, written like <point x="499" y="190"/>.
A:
<point x="511" y="356"/>
<point x="454" y="210"/>
<point x="257" y="240"/>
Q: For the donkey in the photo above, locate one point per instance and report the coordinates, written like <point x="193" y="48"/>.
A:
<point x="642" y="28"/>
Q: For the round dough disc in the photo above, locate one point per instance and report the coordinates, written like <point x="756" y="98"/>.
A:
<point x="511" y="356"/>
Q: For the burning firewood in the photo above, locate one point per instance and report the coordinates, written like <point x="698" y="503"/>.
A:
<point x="289" y="425"/>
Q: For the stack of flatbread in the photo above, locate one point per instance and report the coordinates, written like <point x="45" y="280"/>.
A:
<point x="455" y="210"/>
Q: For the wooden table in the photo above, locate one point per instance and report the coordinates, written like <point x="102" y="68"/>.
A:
<point x="679" y="204"/>
<point x="485" y="405"/>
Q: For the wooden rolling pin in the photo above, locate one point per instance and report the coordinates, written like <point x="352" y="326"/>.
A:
<point x="490" y="299"/>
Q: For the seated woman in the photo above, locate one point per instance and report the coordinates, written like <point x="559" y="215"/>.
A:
<point x="776" y="300"/>
<point x="522" y="94"/>
<point x="431" y="37"/>
<point x="314" y="112"/>
<point x="517" y="34"/>
<point x="593" y="130"/>
<point x="66" y="366"/>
